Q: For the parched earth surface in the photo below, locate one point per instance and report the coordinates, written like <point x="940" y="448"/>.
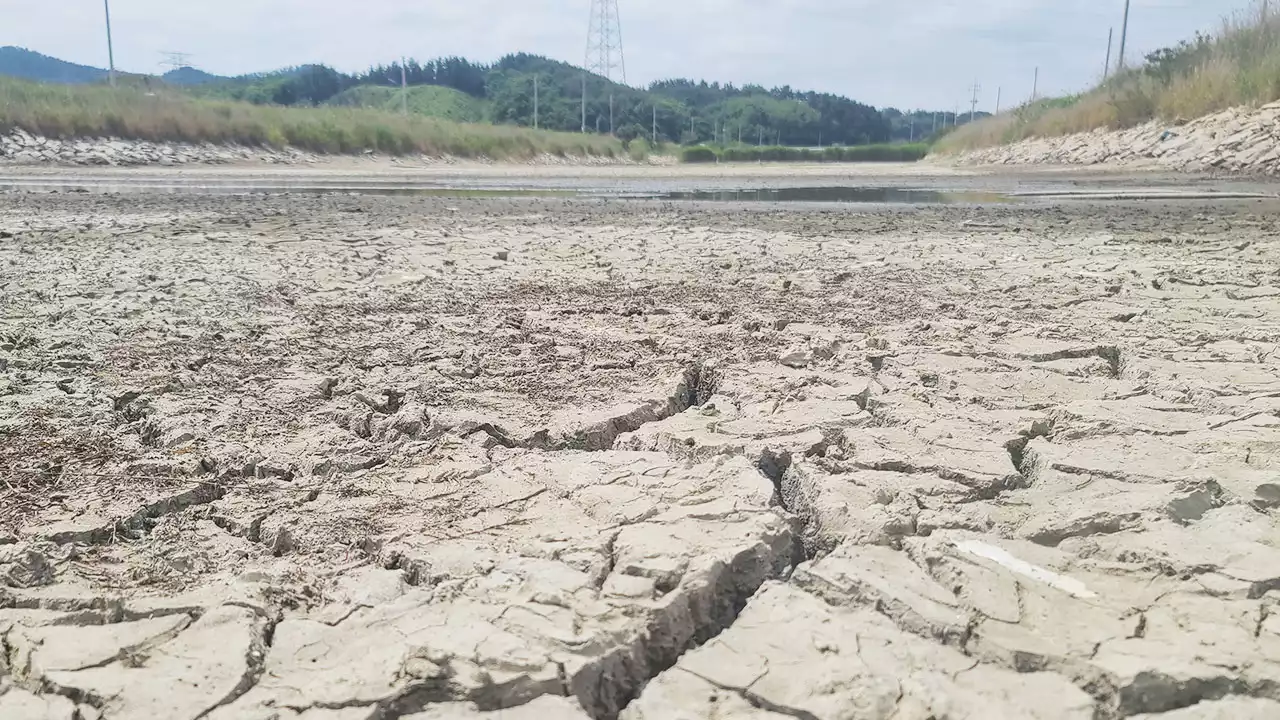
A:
<point x="364" y="458"/>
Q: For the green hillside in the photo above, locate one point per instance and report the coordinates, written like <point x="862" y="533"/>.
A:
<point x="459" y="90"/>
<point x="29" y="65"/>
<point x="429" y="100"/>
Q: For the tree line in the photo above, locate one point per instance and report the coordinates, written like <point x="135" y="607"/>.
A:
<point x="677" y="110"/>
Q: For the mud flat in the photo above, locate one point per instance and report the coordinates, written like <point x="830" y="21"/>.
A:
<point x="345" y="457"/>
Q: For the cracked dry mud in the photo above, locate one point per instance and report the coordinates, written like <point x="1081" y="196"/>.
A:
<point x="362" y="458"/>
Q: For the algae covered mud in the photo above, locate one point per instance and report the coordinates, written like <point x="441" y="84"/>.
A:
<point x="361" y="457"/>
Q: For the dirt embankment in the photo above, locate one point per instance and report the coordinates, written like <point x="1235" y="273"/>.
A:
<point x="20" y="148"/>
<point x="1242" y="140"/>
<point x="362" y="458"/>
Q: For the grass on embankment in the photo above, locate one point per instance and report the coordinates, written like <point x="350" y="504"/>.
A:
<point x="855" y="153"/>
<point x="85" y="111"/>
<point x="1239" y="65"/>
<point x="427" y="100"/>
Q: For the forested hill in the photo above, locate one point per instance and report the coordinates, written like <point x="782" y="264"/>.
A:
<point x="29" y="65"/>
<point x="683" y="111"/>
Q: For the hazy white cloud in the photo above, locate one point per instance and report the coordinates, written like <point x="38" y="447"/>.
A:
<point x="923" y="53"/>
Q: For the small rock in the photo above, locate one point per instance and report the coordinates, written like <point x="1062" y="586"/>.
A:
<point x="714" y="315"/>
<point x="177" y="437"/>
<point x="796" y="357"/>
<point x="283" y="544"/>
<point x="25" y="566"/>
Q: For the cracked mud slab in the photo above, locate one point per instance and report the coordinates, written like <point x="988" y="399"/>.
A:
<point x="360" y="458"/>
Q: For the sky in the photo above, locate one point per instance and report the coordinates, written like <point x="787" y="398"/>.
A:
<point x="907" y="54"/>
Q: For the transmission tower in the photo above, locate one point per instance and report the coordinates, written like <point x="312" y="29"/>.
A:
<point x="175" y="60"/>
<point x="604" y="42"/>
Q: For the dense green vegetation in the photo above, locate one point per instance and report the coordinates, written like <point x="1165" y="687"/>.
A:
<point x="426" y="100"/>
<point x="1240" y="65"/>
<point x="751" y="153"/>
<point x="679" y="110"/>
<point x="146" y="114"/>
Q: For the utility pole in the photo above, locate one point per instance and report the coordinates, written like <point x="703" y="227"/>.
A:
<point x="999" y="92"/>
<point x="1106" y="69"/>
<point x="655" y="126"/>
<point x="935" y="122"/>
<point x="1124" y="35"/>
<point x="955" y="119"/>
<point x="973" y="104"/>
<point x="404" y="87"/>
<point x="912" y="136"/>
<point x="111" y="53"/>
<point x="1035" y="85"/>
<point x="759" y="136"/>
<point x="535" y="102"/>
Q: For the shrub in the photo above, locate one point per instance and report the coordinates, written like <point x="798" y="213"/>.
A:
<point x="638" y="149"/>
<point x="698" y="154"/>
<point x="857" y="153"/>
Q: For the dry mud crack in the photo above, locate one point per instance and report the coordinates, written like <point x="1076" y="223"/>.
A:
<point x="361" y="458"/>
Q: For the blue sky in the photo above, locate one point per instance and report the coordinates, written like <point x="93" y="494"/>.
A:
<point x="922" y="53"/>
